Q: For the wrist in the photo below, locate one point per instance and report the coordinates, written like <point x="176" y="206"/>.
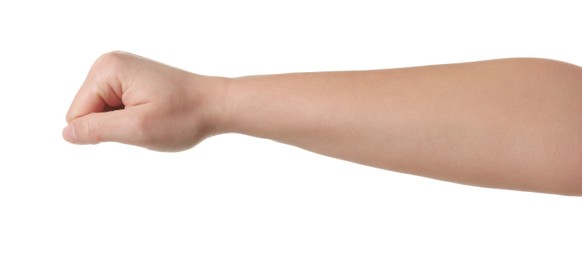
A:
<point x="212" y="93"/>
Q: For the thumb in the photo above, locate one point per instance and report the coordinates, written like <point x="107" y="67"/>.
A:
<point x="117" y="126"/>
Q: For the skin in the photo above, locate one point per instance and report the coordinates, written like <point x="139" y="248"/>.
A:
<point x="509" y="123"/>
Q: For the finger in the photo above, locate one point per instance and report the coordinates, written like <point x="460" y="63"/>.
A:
<point x="100" y="91"/>
<point x="118" y="126"/>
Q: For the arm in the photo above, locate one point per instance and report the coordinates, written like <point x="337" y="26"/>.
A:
<point x="513" y="123"/>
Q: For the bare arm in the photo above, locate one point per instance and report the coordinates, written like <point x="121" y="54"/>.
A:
<point x="513" y="123"/>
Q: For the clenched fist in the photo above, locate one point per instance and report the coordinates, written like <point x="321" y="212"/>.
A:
<point x="134" y="100"/>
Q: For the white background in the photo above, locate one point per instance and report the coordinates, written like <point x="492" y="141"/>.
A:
<point x="238" y="197"/>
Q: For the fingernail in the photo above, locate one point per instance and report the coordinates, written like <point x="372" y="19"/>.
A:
<point x="69" y="134"/>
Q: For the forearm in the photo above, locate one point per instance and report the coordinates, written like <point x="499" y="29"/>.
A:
<point x="513" y="124"/>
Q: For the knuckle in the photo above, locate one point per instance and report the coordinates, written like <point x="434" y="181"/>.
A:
<point x="112" y="60"/>
<point x="109" y="68"/>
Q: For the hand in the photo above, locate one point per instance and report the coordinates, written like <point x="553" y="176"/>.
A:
<point x="133" y="100"/>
